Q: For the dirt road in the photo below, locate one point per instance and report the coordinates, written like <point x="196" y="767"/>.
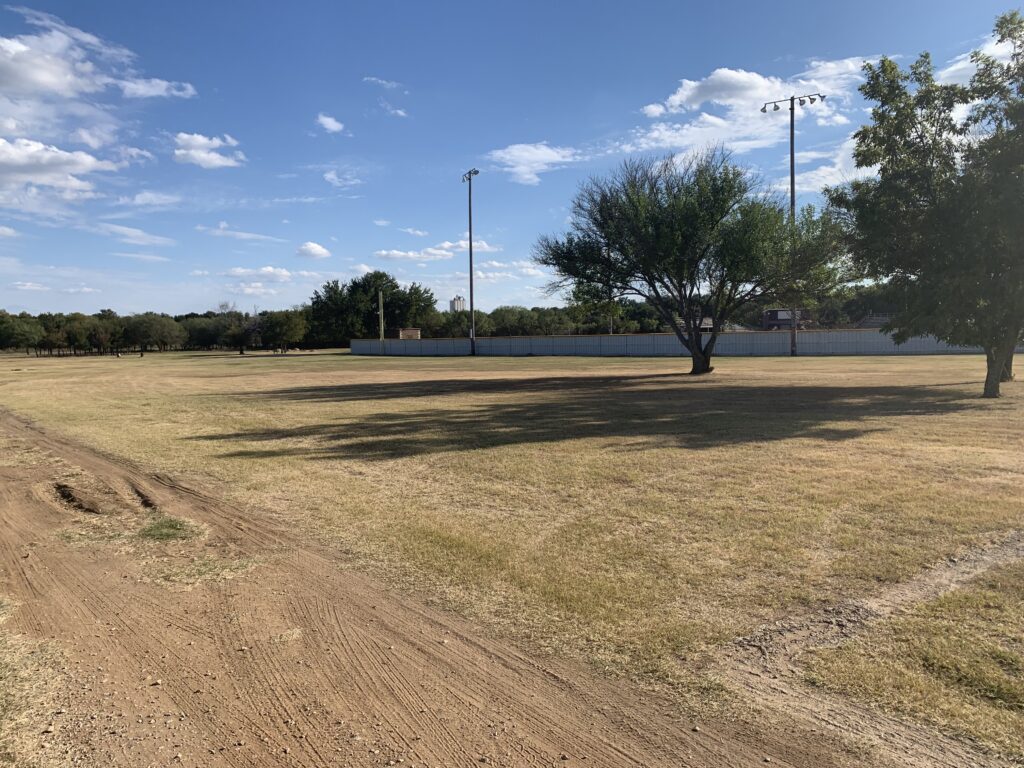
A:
<point x="248" y="645"/>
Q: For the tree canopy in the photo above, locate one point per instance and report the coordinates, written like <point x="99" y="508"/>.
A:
<point x="696" y="238"/>
<point x="942" y="220"/>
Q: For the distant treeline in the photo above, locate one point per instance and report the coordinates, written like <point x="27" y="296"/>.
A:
<point x="341" y="311"/>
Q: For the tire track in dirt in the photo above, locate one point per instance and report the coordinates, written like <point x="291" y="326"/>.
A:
<point x="765" y="666"/>
<point x="335" y="670"/>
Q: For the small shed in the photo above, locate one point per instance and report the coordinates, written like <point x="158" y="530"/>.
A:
<point x="409" y="333"/>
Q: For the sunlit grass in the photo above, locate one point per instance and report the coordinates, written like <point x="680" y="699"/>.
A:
<point x="956" y="662"/>
<point x="613" y="510"/>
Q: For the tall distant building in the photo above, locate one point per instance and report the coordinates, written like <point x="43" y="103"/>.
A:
<point x="458" y="304"/>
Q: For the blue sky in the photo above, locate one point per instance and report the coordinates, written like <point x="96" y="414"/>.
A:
<point x="172" y="156"/>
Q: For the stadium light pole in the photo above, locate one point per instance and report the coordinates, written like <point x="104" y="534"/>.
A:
<point x="793" y="100"/>
<point x="468" y="177"/>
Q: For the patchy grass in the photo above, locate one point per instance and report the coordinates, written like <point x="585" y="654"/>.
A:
<point x="205" y="569"/>
<point x="613" y="510"/>
<point x="26" y="687"/>
<point x="167" y="528"/>
<point x="956" y="662"/>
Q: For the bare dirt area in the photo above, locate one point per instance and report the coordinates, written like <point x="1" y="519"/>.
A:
<point x="273" y="655"/>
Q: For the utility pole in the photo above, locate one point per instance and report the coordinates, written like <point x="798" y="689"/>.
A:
<point x="380" y="317"/>
<point x="812" y="97"/>
<point x="468" y="177"/>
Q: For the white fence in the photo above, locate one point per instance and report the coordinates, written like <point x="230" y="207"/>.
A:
<point x="867" y="341"/>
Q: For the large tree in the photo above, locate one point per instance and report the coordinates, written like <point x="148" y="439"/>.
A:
<point x="942" y="219"/>
<point x="697" y="238"/>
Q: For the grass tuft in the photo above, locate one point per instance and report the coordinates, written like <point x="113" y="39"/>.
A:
<point x="167" y="528"/>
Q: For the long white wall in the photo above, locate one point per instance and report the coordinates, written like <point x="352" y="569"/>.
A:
<point x="732" y="343"/>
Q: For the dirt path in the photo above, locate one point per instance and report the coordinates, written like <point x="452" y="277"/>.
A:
<point x="765" y="666"/>
<point x="294" y="662"/>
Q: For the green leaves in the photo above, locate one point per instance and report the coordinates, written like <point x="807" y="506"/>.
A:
<point x="942" y="220"/>
<point x="696" y="237"/>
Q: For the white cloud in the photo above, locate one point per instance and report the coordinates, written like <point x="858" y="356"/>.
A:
<point x="342" y="180"/>
<point x="492" y="264"/>
<point x="31" y="173"/>
<point x="493" y="277"/>
<point x="532" y="272"/>
<point x="525" y="162"/>
<point x="251" y="289"/>
<point x="363" y="268"/>
<point x="313" y="250"/>
<point x="479" y="246"/>
<point x="960" y="68"/>
<point x="6" y="231"/>
<point x="724" y="107"/>
<point x="389" y="84"/>
<point x="29" y="286"/>
<point x="391" y="109"/>
<point x="329" y="124"/>
<point x="840" y="169"/>
<point x="133" y="236"/>
<point x="53" y="80"/>
<point x="382" y="222"/>
<point x="413" y="231"/>
<point x="150" y="257"/>
<point x="207" y="151"/>
<point x="199" y="272"/>
<point x="272" y="274"/>
<point x="427" y="254"/>
<point x="80" y="289"/>
<point x="224" y="230"/>
<point x="150" y="199"/>
<point x="440" y="252"/>
<point x="150" y="87"/>
<point x="95" y="137"/>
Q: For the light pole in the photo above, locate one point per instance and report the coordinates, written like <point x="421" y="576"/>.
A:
<point x="811" y="97"/>
<point x="468" y="177"/>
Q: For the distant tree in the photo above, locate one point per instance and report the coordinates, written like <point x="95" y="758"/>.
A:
<point x="697" y="239"/>
<point x="455" y="325"/>
<point x="27" y="333"/>
<point x="238" y="330"/>
<point x="588" y="302"/>
<point x="330" y="316"/>
<point x="340" y="312"/>
<point x="107" y="330"/>
<point x="942" y="220"/>
<point x="283" y="328"/>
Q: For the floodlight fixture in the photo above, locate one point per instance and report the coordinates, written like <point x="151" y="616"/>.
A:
<point x="793" y="101"/>
<point x="468" y="176"/>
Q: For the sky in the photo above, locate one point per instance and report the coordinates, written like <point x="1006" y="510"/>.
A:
<point x="172" y="156"/>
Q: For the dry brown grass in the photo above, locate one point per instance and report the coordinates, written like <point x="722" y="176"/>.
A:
<point x="609" y="509"/>
<point x="956" y="662"/>
<point x="27" y="684"/>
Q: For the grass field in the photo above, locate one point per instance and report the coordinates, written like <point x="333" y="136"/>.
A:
<point x="956" y="661"/>
<point x="611" y="510"/>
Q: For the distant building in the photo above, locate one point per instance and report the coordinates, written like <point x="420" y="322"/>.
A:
<point x="781" y="319"/>
<point x="458" y="304"/>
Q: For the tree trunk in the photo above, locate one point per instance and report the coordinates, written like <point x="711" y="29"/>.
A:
<point x="792" y="332"/>
<point x="997" y="362"/>
<point x="1007" y="374"/>
<point x="701" y="363"/>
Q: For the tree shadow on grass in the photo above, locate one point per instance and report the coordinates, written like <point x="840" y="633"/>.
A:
<point x="663" y="410"/>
